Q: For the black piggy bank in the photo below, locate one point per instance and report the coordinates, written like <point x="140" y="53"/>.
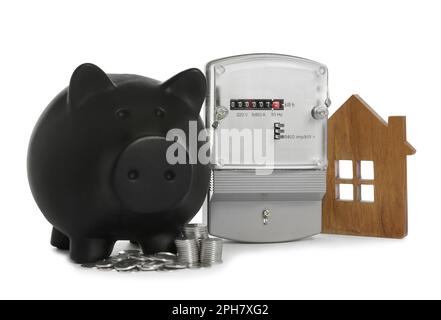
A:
<point x="97" y="162"/>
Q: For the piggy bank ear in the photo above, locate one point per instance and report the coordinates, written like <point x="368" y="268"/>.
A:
<point x="190" y="86"/>
<point x="86" y="81"/>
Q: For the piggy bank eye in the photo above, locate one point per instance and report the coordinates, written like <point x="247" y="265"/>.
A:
<point x="122" y="114"/>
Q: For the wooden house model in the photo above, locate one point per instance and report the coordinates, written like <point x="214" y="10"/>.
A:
<point x="366" y="179"/>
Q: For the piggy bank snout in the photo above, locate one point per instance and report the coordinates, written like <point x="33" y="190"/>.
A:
<point x="146" y="181"/>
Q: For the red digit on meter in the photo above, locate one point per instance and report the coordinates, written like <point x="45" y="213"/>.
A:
<point x="276" y="105"/>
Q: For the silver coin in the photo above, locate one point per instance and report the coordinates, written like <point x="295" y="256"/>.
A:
<point x="195" y="231"/>
<point x="105" y="264"/>
<point x="129" y="252"/>
<point x="118" y="258"/>
<point x="205" y="265"/>
<point x="164" y="260"/>
<point x="141" y="258"/>
<point x="164" y="256"/>
<point x="153" y="263"/>
<point x="188" y="251"/>
<point x="164" y="269"/>
<point x="175" y="266"/>
<point x="150" y="266"/>
<point x="126" y="265"/>
<point x="211" y="251"/>
<point x="151" y="257"/>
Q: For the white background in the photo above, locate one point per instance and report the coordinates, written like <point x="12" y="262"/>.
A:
<point x="386" y="51"/>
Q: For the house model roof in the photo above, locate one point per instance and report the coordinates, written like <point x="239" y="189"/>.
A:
<point x="363" y="113"/>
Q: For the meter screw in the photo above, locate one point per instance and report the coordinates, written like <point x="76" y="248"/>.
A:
<point x="221" y="113"/>
<point x="319" y="112"/>
<point x="266" y="214"/>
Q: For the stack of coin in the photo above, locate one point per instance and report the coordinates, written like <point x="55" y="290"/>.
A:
<point x="195" y="231"/>
<point x="188" y="251"/>
<point x="211" y="251"/>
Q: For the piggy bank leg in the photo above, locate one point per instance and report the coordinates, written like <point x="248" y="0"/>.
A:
<point x="90" y="250"/>
<point x="59" y="240"/>
<point x="158" y="243"/>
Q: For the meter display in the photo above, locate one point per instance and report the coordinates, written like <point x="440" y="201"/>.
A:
<point x="256" y="104"/>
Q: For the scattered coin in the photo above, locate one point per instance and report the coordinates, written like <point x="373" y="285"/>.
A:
<point x="141" y="258"/>
<point x="164" y="256"/>
<point x="118" y="258"/>
<point x="152" y="263"/>
<point x="129" y="252"/>
<point x="149" y="266"/>
<point x="175" y="266"/>
<point x="126" y="265"/>
<point x="105" y="264"/>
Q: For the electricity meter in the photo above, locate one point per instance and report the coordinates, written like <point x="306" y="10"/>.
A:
<point x="267" y="115"/>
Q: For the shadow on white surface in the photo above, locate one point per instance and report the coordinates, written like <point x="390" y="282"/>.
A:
<point x="234" y="250"/>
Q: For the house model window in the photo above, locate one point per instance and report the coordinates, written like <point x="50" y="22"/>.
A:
<point x="354" y="180"/>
